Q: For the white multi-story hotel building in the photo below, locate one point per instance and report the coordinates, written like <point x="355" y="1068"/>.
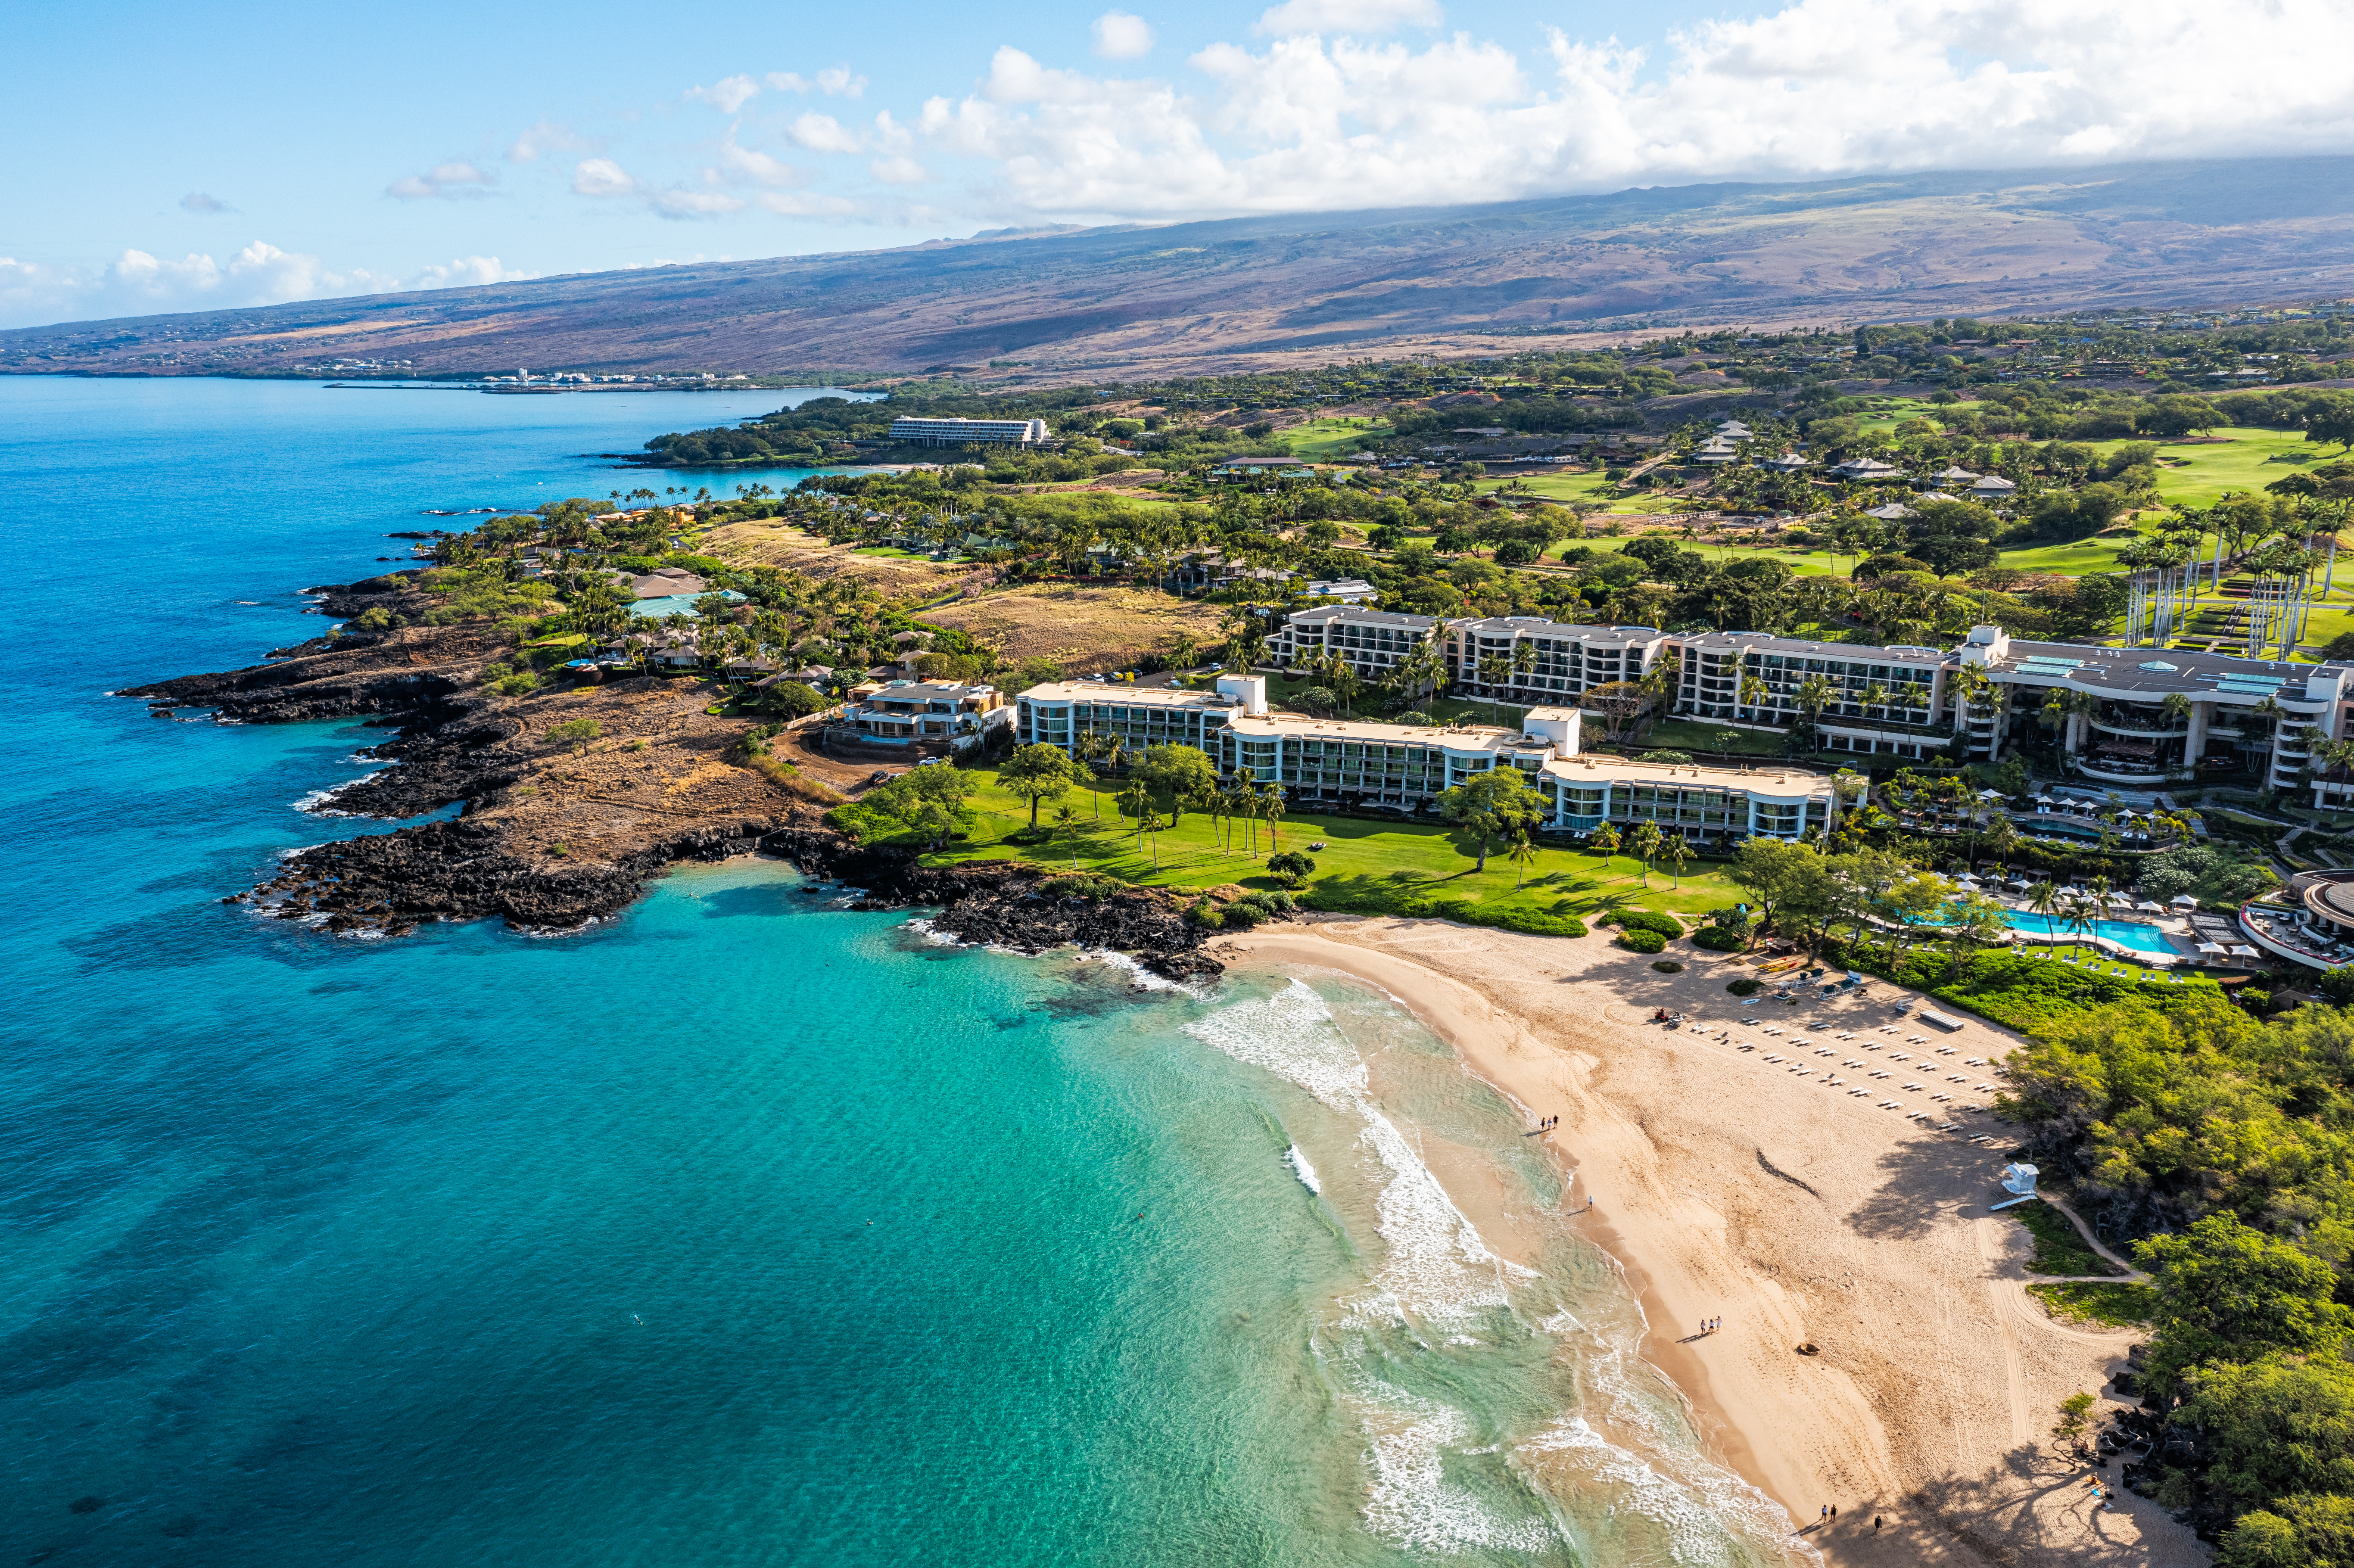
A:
<point x="1373" y="642"/>
<point x="1405" y="767"/>
<point x="1882" y="701"/>
<point x="968" y="432"/>
<point x="1546" y="661"/>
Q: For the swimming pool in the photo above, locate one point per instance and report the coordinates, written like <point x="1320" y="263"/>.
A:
<point x="2128" y="934"/>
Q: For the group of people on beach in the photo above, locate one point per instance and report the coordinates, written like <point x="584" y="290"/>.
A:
<point x="1547" y="1123"/>
<point x="1711" y="1324"/>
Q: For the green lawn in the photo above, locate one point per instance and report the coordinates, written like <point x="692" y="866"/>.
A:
<point x="1687" y="735"/>
<point x="2059" y="1248"/>
<point x="1321" y="440"/>
<point x="1361" y="859"/>
<point x="1590" y="488"/>
<point x="1284" y="692"/>
<point x="2198" y="475"/>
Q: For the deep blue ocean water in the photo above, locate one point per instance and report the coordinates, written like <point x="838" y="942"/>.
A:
<point x="735" y="1231"/>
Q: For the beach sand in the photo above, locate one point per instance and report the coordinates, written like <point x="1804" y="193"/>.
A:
<point x="1728" y="1186"/>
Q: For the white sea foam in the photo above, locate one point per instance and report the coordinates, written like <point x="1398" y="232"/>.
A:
<point x="1138" y="975"/>
<point x="315" y="802"/>
<point x="1437" y="1268"/>
<point x="1696" y="1509"/>
<point x="1410" y="1499"/>
<point x="1301" y="1168"/>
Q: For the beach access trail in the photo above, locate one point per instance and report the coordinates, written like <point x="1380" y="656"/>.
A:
<point x="1729" y="1186"/>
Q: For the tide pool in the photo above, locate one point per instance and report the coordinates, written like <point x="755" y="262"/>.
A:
<point x="735" y="1230"/>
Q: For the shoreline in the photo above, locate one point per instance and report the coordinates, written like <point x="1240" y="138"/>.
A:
<point x="1725" y="1187"/>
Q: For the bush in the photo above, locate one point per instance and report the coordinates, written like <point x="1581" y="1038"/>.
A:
<point x="1576" y="926"/>
<point x="1666" y="926"/>
<point x="1289" y="866"/>
<point x="1088" y="886"/>
<point x="1642" y="941"/>
<point x="1669" y="967"/>
<point x="1717" y="939"/>
<point x="1207" y="915"/>
<point x="1745" y="986"/>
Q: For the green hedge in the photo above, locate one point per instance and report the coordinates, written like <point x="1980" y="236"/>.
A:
<point x="1717" y="939"/>
<point x="1747" y="986"/>
<point x="1642" y="941"/>
<point x="2034" y="996"/>
<point x="1361" y="895"/>
<point x="1667" y="926"/>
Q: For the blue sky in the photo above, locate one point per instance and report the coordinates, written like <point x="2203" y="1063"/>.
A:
<point x="176" y="157"/>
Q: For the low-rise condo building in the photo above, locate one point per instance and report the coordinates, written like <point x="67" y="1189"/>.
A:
<point x="923" y="717"/>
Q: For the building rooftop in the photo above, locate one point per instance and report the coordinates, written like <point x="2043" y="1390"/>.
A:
<point x="2139" y="674"/>
<point x="1119" y="691"/>
<point x="1462" y="737"/>
<point x="1766" y="642"/>
<point x="1576" y="631"/>
<point x="1365" y="615"/>
<point x="1766" y="780"/>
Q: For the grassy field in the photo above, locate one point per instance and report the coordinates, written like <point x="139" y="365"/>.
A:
<point x="1323" y="440"/>
<point x="2198" y="475"/>
<point x="1590" y="488"/>
<point x="1360" y="858"/>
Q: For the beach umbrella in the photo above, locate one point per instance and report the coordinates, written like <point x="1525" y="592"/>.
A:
<point x="2184" y="901"/>
<point x="2153" y="906"/>
<point x="2210" y="947"/>
<point x="2244" y="951"/>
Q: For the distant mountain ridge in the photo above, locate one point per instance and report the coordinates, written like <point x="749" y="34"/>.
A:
<point x="1175" y="298"/>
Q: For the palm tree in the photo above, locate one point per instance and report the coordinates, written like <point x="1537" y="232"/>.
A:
<point x="1138" y="799"/>
<point x="1645" y="842"/>
<point x="1524" y="855"/>
<point x="1606" y="839"/>
<point x="1270" y="805"/>
<point x="1494" y="671"/>
<point x="1524" y="660"/>
<point x="1679" y="855"/>
<point x="1067" y="826"/>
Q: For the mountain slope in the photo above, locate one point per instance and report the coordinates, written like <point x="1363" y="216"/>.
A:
<point x="1200" y="296"/>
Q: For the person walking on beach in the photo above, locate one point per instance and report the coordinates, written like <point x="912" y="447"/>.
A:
<point x="1875" y="1522"/>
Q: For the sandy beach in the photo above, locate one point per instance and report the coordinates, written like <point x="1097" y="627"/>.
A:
<point x="1731" y="1187"/>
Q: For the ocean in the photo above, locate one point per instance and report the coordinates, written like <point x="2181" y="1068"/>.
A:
<point x="735" y="1230"/>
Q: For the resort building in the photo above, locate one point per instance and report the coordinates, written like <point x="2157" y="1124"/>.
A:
<point x="2144" y="715"/>
<point x="969" y="432"/>
<point x="1362" y="764"/>
<point x="1373" y="642"/>
<point x="1872" y="701"/>
<point x="927" y="717"/>
<point x="1546" y="661"/>
<point x="1066" y="713"/>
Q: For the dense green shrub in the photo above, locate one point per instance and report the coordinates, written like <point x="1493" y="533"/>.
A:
<point x="1642" y="941"/>
<point x="1745" y="986"/>
<point x="1667" y="926"/>
<point x="1717" y="939"/>
<point x="1669" y="967"/>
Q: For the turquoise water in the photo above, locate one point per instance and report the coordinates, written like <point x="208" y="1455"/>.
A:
<point x="2130" y="933"/>
<point x="733" y="1231"/>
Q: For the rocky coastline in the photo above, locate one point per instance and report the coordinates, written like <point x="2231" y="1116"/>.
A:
<point x="551" y="837"/>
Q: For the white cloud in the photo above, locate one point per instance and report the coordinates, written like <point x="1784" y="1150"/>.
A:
<point x="1819" y="88"/>
<point x="899" y="170"/>
<point x="548" y="136"/>
<point x="685" y="204"/>
<point x="450" y="179"/>
<point x="834" y="81"/>
<point x="197" y="201"/>
<point x="726" y="95"/>
<point x="139" y="283"/>
<point x="746" y="166"/>
<point x="824" y="134"/>
<point x="468" y="271"/>
<point x="602" y="178"/>
<point x="1358" y="17"/>
<point x="1120" y="36"/>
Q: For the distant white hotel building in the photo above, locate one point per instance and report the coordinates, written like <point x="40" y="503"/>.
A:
<point x="969" y="432"/>
<point x="1405" y="767"/>
<point x="1371" y="642"/>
